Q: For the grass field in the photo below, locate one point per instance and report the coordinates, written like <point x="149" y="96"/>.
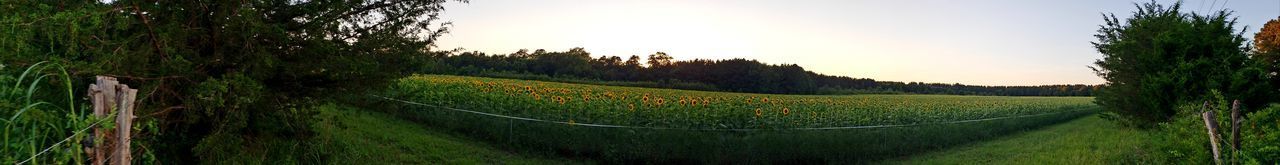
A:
<point x="363" y="136"/>
<point x="378" y="137"/>
<point x="1088" y="140"/>
<point x="662" y="125"/>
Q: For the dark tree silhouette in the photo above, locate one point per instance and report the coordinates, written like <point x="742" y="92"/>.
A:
<point x="735" y="75"/>
<point x="1161" y="57"/>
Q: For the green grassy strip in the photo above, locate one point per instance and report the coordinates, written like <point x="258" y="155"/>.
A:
<point x="1088" y="140"/>
<point x="361" y="137"/>
<point x="622" y="145"/>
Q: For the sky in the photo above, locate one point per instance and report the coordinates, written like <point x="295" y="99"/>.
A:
<point x="978" y="42"/>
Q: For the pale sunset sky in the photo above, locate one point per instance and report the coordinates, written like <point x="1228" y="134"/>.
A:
<point x="979" y="42"/>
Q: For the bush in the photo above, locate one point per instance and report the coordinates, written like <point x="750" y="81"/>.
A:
<point x="1261" y="136"/>
<point x="1186" y="139"/>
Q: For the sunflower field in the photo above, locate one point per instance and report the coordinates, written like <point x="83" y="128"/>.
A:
<point x="628" y="124"/>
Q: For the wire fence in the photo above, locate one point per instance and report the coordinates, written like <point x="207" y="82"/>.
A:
<point x="55" y="145"/>
<point x="715" y="129"/>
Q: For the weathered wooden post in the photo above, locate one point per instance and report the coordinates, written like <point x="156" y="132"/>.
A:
<point x="1235" y="130"/>
<point x="109" y="95"/>
<point x="1212" y="126"/>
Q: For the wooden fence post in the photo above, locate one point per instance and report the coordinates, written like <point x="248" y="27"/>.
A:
<point x="1212" y="126"/>
<point x="1235" y="130"/>
<point x="109" y="95"/>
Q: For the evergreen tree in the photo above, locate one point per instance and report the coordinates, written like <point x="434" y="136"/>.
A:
<point x="1161" y="57"/>
<point x="217" y="77"/>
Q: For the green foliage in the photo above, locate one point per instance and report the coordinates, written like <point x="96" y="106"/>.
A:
<point x="217" y="76"/>
<point x="1161" y="57"/>
<point x="1261" y="136"/>
<point x="1186" y="139"/>
<point x="34" y="119"/>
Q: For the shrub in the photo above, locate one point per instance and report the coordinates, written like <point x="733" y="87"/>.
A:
<point x="1186" y="139"/>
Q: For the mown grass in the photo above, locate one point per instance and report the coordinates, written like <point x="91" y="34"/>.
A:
<point x="358" y="136"/>
<point x="1088" y="140"/>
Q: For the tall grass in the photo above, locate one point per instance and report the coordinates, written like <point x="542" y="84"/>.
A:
<point x="35" y="120"/>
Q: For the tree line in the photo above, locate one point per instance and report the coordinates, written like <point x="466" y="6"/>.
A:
<point x="733" y="75"/>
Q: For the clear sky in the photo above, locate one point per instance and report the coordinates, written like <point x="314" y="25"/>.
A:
<point x="981" y="42"/>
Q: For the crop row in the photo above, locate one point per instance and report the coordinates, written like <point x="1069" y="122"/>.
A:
<point x="691" y="113"/>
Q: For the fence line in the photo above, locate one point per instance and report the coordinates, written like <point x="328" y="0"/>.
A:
<point x="713" y="129"/>
<point x="33" y="157"/>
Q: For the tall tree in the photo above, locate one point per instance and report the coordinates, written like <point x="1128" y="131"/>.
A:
<point x="633" y="61"/>
<point x="218" y="77"/>
<point x="1161" y="57"/>
<point x="659" y="59"/>
<point x="1266" y="49"/>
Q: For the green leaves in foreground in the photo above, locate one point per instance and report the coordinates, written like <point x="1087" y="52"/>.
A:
<point x="1185" y="139"/>
<point x="38" y="110"/>
<point x="217" y="75"/>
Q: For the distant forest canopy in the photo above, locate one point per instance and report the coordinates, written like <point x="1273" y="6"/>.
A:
<point x="733" y="75"/>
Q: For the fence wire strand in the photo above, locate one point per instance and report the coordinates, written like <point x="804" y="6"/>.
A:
<point x="42" y="152"/>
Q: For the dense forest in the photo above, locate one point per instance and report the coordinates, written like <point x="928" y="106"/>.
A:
<point x="734" y="75"/>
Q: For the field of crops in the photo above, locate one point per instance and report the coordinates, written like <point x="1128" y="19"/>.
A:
<point x="643" y="124"/>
